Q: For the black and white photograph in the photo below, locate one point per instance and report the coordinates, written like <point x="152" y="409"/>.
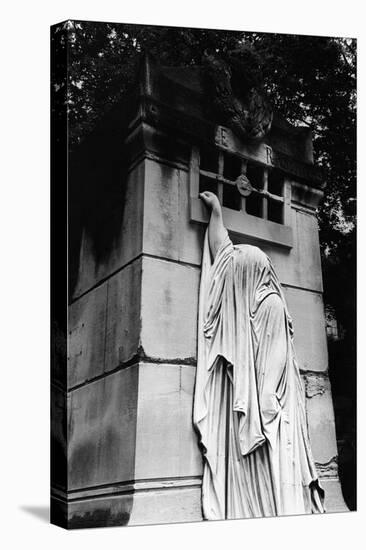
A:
<point x="210" y="200"/>
<point x="182" y="275"/>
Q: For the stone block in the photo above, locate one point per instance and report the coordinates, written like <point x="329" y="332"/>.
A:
<point x="102" y="417"/>
<point x="306" y="196"/>
<point x="169" y="506"/>
<point x="133" y="452"/>
<point x="58" y="437"/>
<point x="113" y="235"/>
<point x="135" y="508"/>
<point x="299" y="266"/>
<point x="59" y="339"/>
<point x="87" y="328"/>
<point x="169" y="302"/>
<point x="320" y="415"/>
<point x="160" y="228"/>
<point x="166" y="444"/>
<point x="307" y="311"/>
<point x="308" y="271"/>
<point x="123" y="320"/>
<point x="333" y="497"/>
<point x="104" y="326"/>
<point x="191" y="235"/>
<point x="106" y="511"/>
<point x="158" y="144"/>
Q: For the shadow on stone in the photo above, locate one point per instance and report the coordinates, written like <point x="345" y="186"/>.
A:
<point x="97" y="188"/>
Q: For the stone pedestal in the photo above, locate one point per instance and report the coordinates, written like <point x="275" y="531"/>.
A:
<point x="136" y="238"/>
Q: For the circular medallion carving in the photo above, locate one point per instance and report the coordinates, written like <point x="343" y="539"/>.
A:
<point x="244" y="186"/>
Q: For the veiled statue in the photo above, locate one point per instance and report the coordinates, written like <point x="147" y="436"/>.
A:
<point x="249" y="403"/>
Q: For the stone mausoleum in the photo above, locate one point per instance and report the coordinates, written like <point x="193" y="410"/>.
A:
<point x="136" y="228"/>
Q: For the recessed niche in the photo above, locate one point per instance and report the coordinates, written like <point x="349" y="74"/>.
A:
<point x="253" y="205"/>
<point x="275" y="211"/>
<point x="275" y="182"/>
<point x="231" y="197"/>
<point x="209" y="160"/>
<point x="208" y="184"/>
<point x="232" y="166"/>
<point x="255" y="175"/>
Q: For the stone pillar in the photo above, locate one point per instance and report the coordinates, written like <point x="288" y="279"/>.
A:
<point x="136" y="238"/>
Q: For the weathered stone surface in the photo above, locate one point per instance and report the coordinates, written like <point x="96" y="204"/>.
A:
<point x="333" y="501"/>
<point x="191" y="235"/>
<point x="160" y="228"/>
<point x="102" y="418"/>
<point x="133" y="424"/>
<point x="58" y="437"/>
<point x="306" y="196"/>
<point x="140" y="508"/>
<point x="157" y="144"/>
<point x="59" y="341"/>
<point x="315" y="384"/>
<point x="300" y="266"/>
<point x="170" y="506"/>
<point x="87" y="326"/>
<point x="307" y="311"/>
<point x="307" y="266"/>
<point x="123" y="319"/>
<point x="329" y="470"/>
<point x="166" y="444"/>
<point x="320" y="417"/>
<point x="104" y="326"/>
<point x="102" y="512"/>
<point x="115" y="236"/>
<point x="169" y="309"/>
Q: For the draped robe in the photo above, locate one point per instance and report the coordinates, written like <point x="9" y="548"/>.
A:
<point x="249" y="403"/>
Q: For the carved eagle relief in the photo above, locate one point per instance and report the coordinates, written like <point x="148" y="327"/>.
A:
<point x="240" y="104"/>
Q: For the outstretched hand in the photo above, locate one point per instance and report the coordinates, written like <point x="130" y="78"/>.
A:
<point x="210" y="200"/>
<point x="216" y="229"/>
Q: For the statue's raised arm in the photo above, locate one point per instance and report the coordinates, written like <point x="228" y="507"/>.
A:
<point x="217" y="232"/>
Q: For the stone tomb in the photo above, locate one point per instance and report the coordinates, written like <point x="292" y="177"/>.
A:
<point x="136" y="238"/>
